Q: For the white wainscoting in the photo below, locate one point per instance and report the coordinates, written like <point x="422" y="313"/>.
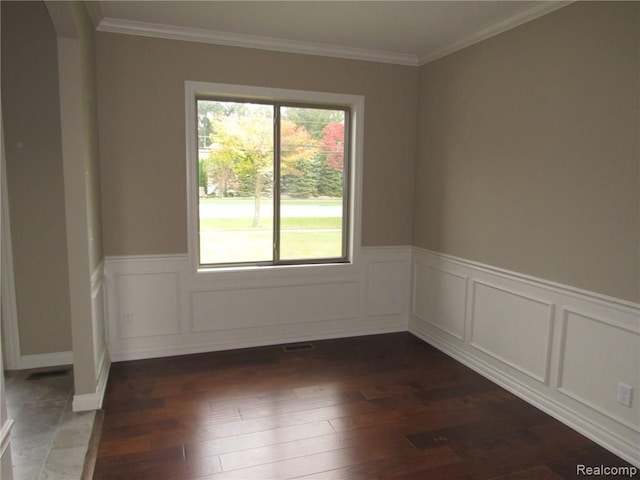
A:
<point x="157" y="307"/>
<point x="562" y="349"/>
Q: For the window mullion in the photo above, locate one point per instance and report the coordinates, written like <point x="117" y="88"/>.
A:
<point x="346" y="182"/>
<point x="276" y="183"/>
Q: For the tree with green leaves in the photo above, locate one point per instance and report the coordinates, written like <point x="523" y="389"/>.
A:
<point x="312" y="144"/>
<point x="244" y="144"/>
<point x="312" y="119"/>
<point x="298" y="150"/>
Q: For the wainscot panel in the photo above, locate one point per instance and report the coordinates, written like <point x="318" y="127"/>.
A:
<point x="388" y="286"/>
<point x="158" y="307"/>
<point x="148" y="303"/>
<point x="521" y="340"/>
<point x="592" y="349"/>
<point x="439" y="298"/>
<point x="562" y="349"/>
<point x="265" y="306"/>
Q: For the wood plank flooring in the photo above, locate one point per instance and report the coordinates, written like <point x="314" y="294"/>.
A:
<point x="376" y="407"/>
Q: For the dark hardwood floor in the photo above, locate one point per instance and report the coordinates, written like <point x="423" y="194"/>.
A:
<point x="384" y="406"/>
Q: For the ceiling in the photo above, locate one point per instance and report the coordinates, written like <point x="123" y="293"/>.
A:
<point x="402" y="32"/>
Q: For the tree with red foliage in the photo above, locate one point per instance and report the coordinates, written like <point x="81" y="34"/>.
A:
<point x="332" y="144"/>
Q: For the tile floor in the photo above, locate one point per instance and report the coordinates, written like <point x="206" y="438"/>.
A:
<point x="48" y="440"/>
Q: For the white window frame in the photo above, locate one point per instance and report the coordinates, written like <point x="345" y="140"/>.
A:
<point x="354" y="102"/>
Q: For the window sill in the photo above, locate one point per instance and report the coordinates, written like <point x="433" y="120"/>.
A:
<point x="282" y="272"/>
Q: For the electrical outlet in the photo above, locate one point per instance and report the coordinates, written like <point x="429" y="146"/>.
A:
<point x="128" y="318"/>
<point x="625" y="394"/>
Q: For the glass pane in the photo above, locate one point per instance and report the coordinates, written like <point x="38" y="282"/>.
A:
<point x="312" y="148"/>
<point x="235" y="159"/>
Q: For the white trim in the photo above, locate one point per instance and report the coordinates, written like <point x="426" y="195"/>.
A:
<point x="172" y="32"/>
<point x="5" y="435"/>
<point x="126" y="259"/>
<point x="43" y="360"/>
<point x="94" y="12"/>
<point x="357" y="105"/>
<point x="384" y="325"/>
<point x="93" y="401"/>
<point x="542" y="8"/>
<point x="579" y="293"/>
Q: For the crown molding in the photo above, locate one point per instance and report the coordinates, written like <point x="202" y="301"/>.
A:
<point x="171" y="32"/>
<point x="214" y="37"/>
<point x="497" y="28"/>
<point x="94" y="11"/>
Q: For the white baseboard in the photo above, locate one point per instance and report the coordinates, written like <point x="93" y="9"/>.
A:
<point x="44" y="360"/>
<point x="255" y="340"/>
<point x="93" y="401"/>
<point x="551" y="345"/>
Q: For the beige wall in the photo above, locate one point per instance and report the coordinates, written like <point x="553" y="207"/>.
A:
<point x="527" y="143"/>
<point x="528" y="150"/>
<point x="142" y="144"/>
<point x="34" y="176"/>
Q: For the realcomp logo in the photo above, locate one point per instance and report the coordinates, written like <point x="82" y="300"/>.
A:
<point x="605" y="470"/>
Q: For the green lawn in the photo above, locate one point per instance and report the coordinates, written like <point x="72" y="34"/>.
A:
<point x="311" y="228"/>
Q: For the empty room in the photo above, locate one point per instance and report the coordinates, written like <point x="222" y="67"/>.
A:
<point x="353" y="239"/>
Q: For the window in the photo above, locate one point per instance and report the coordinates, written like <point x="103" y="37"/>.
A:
<point x="272" y="175"/>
